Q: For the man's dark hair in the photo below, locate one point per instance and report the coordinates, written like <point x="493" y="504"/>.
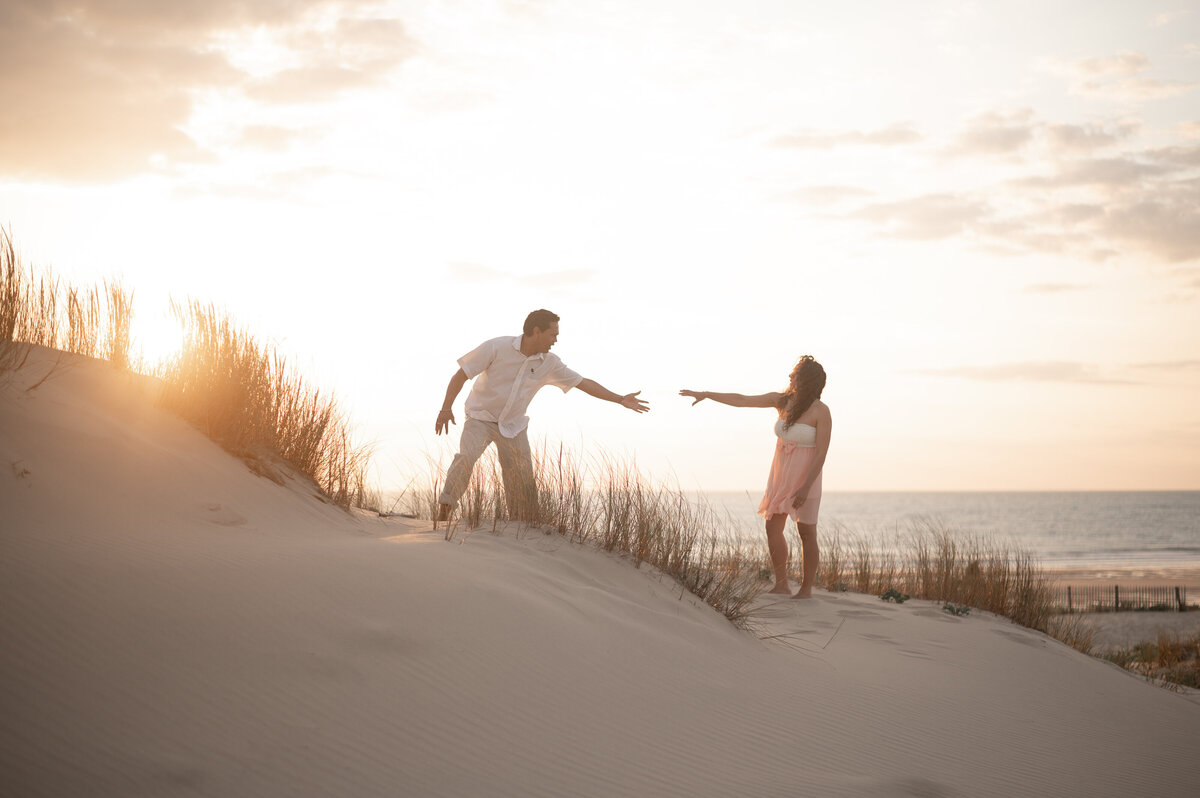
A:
<point x="541" y="319"/>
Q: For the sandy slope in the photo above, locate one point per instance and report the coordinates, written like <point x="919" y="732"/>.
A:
<point x="174" y="625"/>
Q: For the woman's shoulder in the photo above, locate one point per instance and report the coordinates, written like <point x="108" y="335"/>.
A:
<point x="817" y="411"/>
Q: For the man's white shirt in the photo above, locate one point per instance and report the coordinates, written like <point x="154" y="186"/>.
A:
<point x="507" y="381"/>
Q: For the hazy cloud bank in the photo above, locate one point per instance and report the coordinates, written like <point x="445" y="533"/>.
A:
<point x="1047" y="371"/>
<point x="95" y="90"/>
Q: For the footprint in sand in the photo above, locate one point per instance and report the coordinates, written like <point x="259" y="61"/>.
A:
<point x="859" y="614"/>
<point x="1025" y="639"/>
<point x="223" y="516"/>
<point x="940" y="615"/>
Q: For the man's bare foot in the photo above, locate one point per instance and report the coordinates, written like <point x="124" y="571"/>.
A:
<point x="803" y="593"/>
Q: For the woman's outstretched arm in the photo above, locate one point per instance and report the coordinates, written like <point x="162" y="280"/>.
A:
<point x="734" y="399"/>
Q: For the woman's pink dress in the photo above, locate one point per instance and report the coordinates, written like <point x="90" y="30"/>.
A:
<point x="795" y="451"/>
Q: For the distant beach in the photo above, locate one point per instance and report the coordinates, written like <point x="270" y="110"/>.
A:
<point x="1134" y="535"/>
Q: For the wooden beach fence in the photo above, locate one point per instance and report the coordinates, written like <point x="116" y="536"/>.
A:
<point x="1110" y="598"/>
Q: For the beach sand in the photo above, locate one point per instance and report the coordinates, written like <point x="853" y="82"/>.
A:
<point x="176" y="625"/>
<point x="1165" y="576"/>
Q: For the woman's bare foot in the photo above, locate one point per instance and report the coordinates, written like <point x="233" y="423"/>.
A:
<point x="782" y="590"/>
<point x="803" y="593"/>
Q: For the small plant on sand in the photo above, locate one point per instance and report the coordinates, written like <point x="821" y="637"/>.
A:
<point x="894" y="595"/>
<point x="1170" y="661"/>
<point x="956" y="609"/>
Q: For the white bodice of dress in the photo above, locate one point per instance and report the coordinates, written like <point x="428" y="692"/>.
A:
<point x="799" y="434"/>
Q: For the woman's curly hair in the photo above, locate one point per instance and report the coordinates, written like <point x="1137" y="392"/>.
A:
<point x="805" y="384"/>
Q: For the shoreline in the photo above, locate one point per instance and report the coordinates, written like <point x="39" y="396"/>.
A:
<point x="1158" y="576"/>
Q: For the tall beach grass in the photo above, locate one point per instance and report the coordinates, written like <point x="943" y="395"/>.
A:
<point x="36" y="308"/>
<point x="244" y="396"/>
<point x="609" y="503"/>
<point x="238" y="392"/>
<point x="612" y="505"/>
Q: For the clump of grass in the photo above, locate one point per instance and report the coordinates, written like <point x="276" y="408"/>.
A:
<point x="930" y="561"/>
<point x="39" y="310"/>
<point x="1170" y="661"/>
<point x="120" y="317"/>
<point x="612" y="505"/>
<point x="244" y="396"/>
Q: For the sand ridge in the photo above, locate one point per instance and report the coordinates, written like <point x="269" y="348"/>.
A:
<point x="175" y="625"/>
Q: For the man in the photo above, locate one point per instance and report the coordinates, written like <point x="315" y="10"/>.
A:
<point x="510" y="371"/>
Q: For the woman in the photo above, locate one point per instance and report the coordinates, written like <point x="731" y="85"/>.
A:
<point x="794" y="486"/>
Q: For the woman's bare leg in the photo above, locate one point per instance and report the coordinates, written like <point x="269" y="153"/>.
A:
<point x="812" y="557"/>
<point x="777" y="545"/>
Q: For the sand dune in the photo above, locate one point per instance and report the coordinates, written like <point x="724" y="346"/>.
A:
<point x="175" y="625"/>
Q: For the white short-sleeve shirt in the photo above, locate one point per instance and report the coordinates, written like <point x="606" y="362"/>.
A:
<point x="507" y="380"/>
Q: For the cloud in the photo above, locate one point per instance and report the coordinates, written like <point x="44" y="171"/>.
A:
<point x="995" y="133"/>
<point x="826" y="195"/>
<point x="474" y="273"/>
<point x="353" y="54"/>
<point x="1108" y="172"/>
<point x="1164" y="222"/>
<point x="97" y="90"/>
<point x="1117" y="77"/>
<point x="927" y="217"/>
<point x="556" y="280"/>
<point x="1169" y="17"/>
<point x="1123" y="63"/>
<point x="268" y="137"/>
<point x="1044" y="371"/>
<point x="285" y="184"/>
<point x="1179" y="157"/>
<point x="1075" y="138"/>
<point x="567" y="278"/>
<point x="1171" y="365"/>
<point x="1189" y="130"/>
<point x="1053" y="288"/>
<point x="895" y="135"/>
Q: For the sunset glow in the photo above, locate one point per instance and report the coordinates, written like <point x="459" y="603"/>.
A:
<point x="984" y="220"/>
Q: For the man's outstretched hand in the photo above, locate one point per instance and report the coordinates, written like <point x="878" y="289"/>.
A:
<point x="699" y="396"/>
<point x="444" y="420"/>
<point x="631" y="401"/>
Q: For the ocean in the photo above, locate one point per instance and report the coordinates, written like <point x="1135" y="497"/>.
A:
<point x="1086" y="530"/>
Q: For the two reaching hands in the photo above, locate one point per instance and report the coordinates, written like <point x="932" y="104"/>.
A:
<point x="446" y="417"/>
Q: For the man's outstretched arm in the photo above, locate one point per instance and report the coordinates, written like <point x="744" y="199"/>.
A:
<point x="446" y="414"/>
<point x="630" y="400"/>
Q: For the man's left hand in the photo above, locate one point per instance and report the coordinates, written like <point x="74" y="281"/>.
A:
<point x="631" y="401"/>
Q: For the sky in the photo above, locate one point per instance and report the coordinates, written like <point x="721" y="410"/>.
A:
<point x="983" y="219"/>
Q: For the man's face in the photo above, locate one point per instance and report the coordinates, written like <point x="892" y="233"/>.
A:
<point x="542" y="340"/>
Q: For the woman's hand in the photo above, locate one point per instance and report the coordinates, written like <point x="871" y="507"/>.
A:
<point x="799" y="498"/>
<point x="699" y="396"/>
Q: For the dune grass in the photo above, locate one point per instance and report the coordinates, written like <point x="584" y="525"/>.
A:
<point x="239" y="393"/>
<point x="610" y="504"/>
<point x="1170" y="661"/>
<point x="37" y="308"/>
<point x="928" y="560"/>
<point x="245" y="397"/>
